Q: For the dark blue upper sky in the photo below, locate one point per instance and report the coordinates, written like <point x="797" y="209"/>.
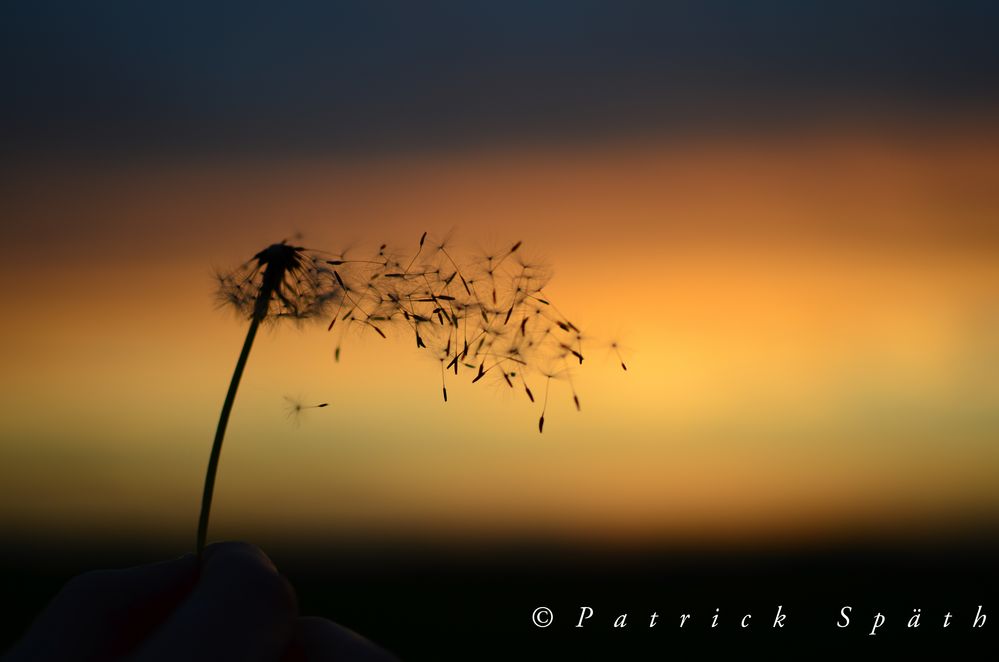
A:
<point x="113" y="75"/>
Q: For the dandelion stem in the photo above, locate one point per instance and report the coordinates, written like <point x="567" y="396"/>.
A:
<point x="272" y="276"/>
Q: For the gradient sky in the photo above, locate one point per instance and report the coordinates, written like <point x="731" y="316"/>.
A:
<point x="785" y="215"/>
<point x="234" y="77"/>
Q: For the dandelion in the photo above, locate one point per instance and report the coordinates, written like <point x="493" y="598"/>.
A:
<point x="280" y="282"/>
<point x="489" y="316"/>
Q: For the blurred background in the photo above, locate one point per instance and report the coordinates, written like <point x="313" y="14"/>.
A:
<point x="785" y="214"/>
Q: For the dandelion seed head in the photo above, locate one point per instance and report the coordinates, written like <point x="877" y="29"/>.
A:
<point x="281" y="281"/>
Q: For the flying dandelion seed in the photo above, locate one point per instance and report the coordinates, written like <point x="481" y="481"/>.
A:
<point x="295" y="408"/>
<point x="616" y="349"/>
<point x="544" y="407"/>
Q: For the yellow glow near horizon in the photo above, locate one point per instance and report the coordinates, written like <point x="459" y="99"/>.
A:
<point x="811" y="332"/>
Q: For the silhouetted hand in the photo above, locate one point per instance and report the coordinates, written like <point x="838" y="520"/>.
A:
<point x="235" y="606"/>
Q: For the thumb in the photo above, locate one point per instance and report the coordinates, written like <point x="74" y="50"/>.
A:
<point x="241" y="609"/>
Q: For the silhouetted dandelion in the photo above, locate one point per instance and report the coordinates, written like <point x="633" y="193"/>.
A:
<point x="489" y="316"/>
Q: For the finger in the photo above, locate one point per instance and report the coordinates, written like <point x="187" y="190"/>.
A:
<point x="320" y="640"/>
<point x="241" y="609"/>
<point x="104" y="613"/>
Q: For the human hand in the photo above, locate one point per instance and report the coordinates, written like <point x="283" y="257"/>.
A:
<point x="233" y="605"/>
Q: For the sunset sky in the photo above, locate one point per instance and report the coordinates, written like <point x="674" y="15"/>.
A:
<point x="786" y="217"/>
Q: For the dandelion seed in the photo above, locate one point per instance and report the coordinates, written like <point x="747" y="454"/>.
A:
<point x="617" y="351"/>
<point x="544" y="407"/>
<point x="296" y="407"/>
<point x="443" y="384"/>
<point x="572" y="388"/>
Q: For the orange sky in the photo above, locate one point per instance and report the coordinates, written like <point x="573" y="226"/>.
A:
<point x="811" y="324"/>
